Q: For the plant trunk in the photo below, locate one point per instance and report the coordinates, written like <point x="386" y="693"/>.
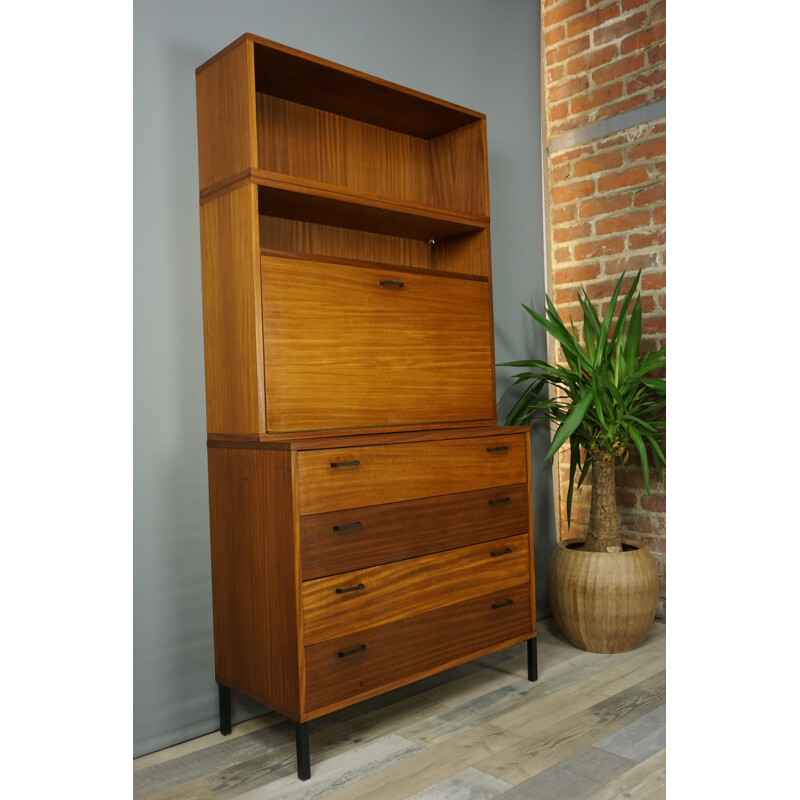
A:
<point x="603" y="535"/>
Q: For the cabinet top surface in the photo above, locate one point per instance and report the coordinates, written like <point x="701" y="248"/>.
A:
<point x="293" y="75"/>
<point x="317" y="442"/>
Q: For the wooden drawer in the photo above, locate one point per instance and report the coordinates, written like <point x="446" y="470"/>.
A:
<point x="365" y="661"/>
<point x="352" y="477"/>
<point x="354" y="346"/>
<point x="345" y="603"/>
<point x="341" y="541"/>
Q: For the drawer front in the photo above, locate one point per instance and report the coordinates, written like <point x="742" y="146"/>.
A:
<point x="350" y="346"/>
<point x="367" y="660"/>
<point x="351" y="477"/>
<point x="351" y="539"/>
<point x="342" y="604"/>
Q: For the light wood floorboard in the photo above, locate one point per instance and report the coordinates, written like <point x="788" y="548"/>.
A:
<point x="591" y="728"/>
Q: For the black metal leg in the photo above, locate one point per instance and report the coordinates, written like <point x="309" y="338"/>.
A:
<point x="303" y="751"/>
<point x="224" y="709"/>
<point x="533" y="663"/>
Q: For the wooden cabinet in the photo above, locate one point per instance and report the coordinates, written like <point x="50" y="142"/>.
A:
<point x="370" y="523"/>
<point x="304" y="563"/>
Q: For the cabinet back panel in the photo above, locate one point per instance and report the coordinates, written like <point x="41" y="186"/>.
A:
<point x="308" y="238"/>
<point x="467" y="254"/>
<point x="303" y="142"/>
<point x="342" y="351"/>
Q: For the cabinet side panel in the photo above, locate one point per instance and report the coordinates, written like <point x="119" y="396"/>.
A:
<point x="468" y="254"/>
<point x="226" y="116"/>
<point x="530" y="527"/>
<point x="232" y="313"/>
<point x="253" y="568"/>
<point x="460" y="168"/>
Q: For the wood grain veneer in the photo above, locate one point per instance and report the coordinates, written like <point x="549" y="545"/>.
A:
<point x="255" y="576"/>
<point x="342" y="350"/>
<point x="404" y="588"/>
<point x="312" y="81"/>
<point x="234" y="361"/>
<point x="340" y="541"/>
<point x="312" y="239"/>
<point x="467" y="254"/>
<point x="405" y="649"/>
<point x="226" y="116"/>
<point x="396" y="472"/>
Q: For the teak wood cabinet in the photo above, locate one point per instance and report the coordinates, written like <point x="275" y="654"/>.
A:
<point x="370" y="522"/>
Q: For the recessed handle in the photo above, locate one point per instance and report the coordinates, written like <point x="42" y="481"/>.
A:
<point x="496" y="554"/>
<point x="497" y="449"/>
<point x="351" y="589"/>
<point x="345" y="463"/>
<point x="345" y="653"/>
<point x="348" y="527"/>
<point x="398" y="284"/>
<point x="501" y="500"/>
<point x="503" y="605"/>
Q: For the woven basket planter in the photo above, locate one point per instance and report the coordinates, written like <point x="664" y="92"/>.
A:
<point x="603" y="602"/>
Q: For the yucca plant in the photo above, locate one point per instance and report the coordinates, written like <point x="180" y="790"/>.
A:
<point x="606" y="402"/>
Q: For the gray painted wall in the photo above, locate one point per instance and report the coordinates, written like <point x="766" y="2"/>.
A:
<point x="482" y="54"/>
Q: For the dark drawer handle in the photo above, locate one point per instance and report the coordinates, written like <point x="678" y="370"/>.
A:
<point x="496" y="449"/>
<point x="348" y="527"/>
<point x="398" y="284"/>
<point x="496" y="553"/>
<point x="501" y="500"/>
<point x="351" y="589"/>
<point x="345" y="653"/>
<point x="345" y="463"/>
<point x="503" y="605"/>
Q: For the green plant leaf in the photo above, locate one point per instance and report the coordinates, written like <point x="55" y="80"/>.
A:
<point x="634" y="336"/>
<point x="574" y="462"/>
<point x="620" y="326"/>
<point x="576" y="414"/>
<point x="637" y="440"/>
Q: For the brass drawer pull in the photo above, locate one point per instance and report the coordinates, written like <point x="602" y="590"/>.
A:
<point x="345" y="653"/>
<point x="496" y="553"/>
<point x="348" y="527"/>
<point x="345" y="463"/>
<point x="398" y="284"/>
<point x="351" y="589"/>
<point x="501" y="500"/>
<point x="496" y="449"/>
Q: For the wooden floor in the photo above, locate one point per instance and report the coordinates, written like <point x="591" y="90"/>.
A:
<point x="591" y="728"/>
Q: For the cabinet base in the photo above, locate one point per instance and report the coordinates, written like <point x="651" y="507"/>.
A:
<point x="224" y="709"/>
<point x="301" y="728"/>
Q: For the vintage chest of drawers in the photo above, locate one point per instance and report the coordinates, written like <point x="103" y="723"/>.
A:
<point x="370" y="523"/>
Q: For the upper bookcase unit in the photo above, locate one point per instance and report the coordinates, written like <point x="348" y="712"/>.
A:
<point x="329" y="145"/>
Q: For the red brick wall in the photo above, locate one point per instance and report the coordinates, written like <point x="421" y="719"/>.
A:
<point x="601" y="57"/>
<point x="607" y="198"/>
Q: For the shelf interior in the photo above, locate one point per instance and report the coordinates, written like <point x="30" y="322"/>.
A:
<point x="310" y="144"/>
<point x="313" y="82"/>
<point x="465" y="254"/>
